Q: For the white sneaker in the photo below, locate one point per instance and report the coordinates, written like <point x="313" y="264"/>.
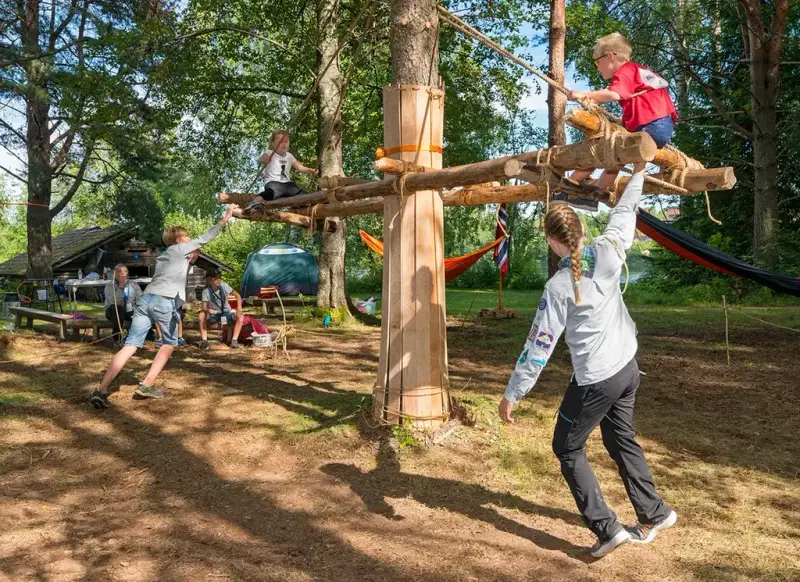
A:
<point x="644" y="534"/>
<point x="601" y="549"/>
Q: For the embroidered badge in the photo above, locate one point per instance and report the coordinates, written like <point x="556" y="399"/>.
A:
<point x="544" y="340"/>
<point x="542" y="304"/>
<point x="539" y="361"/>
<point x="522" y="358"/>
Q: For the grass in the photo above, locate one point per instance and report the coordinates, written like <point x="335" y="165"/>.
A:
<point x="259" y="440"/>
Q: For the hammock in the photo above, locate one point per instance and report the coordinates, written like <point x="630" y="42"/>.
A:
<point x="453" y="267"/>
<point x="690" y="248"/>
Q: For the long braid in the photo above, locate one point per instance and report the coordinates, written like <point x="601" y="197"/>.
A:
<point x="562" y="224"/>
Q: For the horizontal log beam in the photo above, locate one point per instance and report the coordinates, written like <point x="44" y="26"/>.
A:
<point x="326" y="182"/>
<point x="288" y="218"/>
<point x="588" y="154"/>
<point x="694" y="181"/>
<point x="471" y="196"/>
<point x="591" y="124"/>
<point x="391" y="166"/>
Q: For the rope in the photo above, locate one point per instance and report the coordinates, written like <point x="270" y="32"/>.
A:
<point x="765" y="321"/>
<point x="24" y="204"/>
<point x="465" y="28"/>
<point x="708" y="207"/>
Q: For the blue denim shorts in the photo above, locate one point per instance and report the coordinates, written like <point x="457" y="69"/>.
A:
<point x="660" y="130"/>
<point x="152" y="310"/>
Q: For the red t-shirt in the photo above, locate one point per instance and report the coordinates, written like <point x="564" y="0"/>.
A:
<point x="632" y="78"/>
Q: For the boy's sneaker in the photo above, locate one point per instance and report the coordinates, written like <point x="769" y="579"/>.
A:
<point x="644" y="534"/>
<point x="203" y="345"/>
<point x="99" y="399"/>
<point x="181" y="342"/>
<point x="236" y="345"/>
<point x="159" y="343"/>
<point x="254" y="206"/>
<point x="143" y="391"/>
<point x="601" y="549"/>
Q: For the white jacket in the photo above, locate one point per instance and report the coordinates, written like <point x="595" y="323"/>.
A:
<point x="600" y="332"/>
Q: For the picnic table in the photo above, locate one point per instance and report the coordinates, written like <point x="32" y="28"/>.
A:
<point x="73" y="286"/>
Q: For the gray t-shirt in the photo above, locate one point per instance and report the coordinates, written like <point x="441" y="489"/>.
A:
<point x="218" y="300"/>
<point x="127" y="297"/>
<point x="600" y="332"/>
<point x="169" y="279"/>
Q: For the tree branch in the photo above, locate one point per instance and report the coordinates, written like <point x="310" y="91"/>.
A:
<point x="62" y="25"/>
<point x="61" y="156"/>
<point x="748" y="135"/>
<point x="13" y="175"/>
<point x="12" y="130"/>
<point x="292" y="94"/>
<point x="79" y="179"/>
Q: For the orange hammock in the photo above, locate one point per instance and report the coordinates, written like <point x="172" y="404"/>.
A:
<point x="453" y="267"/>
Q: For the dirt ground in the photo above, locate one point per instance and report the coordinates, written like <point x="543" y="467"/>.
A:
<point x="253" y="469"/>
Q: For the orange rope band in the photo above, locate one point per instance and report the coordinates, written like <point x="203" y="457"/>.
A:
<point x="383" y="152"/>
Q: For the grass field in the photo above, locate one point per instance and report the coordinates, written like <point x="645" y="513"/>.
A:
<point x="254" y="469"/>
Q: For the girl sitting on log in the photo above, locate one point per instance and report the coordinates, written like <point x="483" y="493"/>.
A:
<point x="278" y="162"/>
<point x="642" y="94"/>
<point x="584" y="298"/>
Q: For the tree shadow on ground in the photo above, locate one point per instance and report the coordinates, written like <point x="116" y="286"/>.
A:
<point x="468" y="499"/>
<point x="180" y="483"/>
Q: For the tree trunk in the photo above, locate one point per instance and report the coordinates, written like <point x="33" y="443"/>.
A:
<point x="331" y="290"/>
<point x="40" y="174"/>
<point x="556" y="100"/>
<point x="679" y="48"/>
<point x="766" y="45"/>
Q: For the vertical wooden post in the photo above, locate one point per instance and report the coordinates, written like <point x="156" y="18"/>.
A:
<point x="500" y="297"/>
<point x="412" y="383"/>
<point x="727" y="345"/>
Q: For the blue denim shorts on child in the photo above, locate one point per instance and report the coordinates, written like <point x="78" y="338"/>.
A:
<point x="153" y="309"/>
<point x="660" y="130"/>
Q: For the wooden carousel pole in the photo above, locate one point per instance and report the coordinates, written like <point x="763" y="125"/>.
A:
<point x="412" y="382"/>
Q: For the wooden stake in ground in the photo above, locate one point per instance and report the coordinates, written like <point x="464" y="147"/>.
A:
<point x="727" y="345"/>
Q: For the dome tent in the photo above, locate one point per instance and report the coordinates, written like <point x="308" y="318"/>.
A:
<point x="292" y="269"/>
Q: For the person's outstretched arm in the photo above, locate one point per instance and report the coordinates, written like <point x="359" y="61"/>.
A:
<point x="208" y="236"/>
<point x="548" y="325"/>
<point x="622" y="218"/>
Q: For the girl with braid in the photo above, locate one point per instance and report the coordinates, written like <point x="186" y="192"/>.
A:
<point x="584" y="298"/>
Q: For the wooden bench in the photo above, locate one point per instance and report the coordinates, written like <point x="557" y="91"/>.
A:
<point x="39" y="314"/>
<point x="64" y="321"/>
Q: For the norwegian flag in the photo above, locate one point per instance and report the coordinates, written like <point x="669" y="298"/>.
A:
<point x="501" y="250"/>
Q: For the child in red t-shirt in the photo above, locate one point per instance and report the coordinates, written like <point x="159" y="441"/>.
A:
<point x="646" y="104"/>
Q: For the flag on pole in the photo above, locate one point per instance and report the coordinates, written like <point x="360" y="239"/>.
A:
<point x="501" y="251"/>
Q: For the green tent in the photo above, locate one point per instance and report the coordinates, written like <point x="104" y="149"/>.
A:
<point x="288" y="267"/>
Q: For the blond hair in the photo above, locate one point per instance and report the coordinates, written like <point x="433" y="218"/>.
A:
<point x="613" y="43"/>
<point x="277" y="137"/>
<point x="563" y="225"/>
<point x="119" y="266"/>
<point x="171" y="234"/>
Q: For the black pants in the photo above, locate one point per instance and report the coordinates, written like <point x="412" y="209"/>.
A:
<point x="125" y="317"/>
<point x="610" y="404"/>
<point x="275" y="190"/>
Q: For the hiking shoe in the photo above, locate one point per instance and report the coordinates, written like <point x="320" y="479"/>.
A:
<point x="236" y="345"/>
<point x="99" y="399"/>
<point x="601" y="549"/>
<point x="644" y="534"/>
<point x="181" y="342"/>
<point x="159" y="343"/>
<point x="143" y="391"/>
<point x="203" y="345"/>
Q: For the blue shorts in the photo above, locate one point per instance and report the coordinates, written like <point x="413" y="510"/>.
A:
<point x="152" y="310"/>
<point x="216" y="317"/>
<point x="660" y="130"/>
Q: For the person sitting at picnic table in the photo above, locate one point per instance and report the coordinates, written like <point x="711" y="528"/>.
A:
<point x="121" y="297"/>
